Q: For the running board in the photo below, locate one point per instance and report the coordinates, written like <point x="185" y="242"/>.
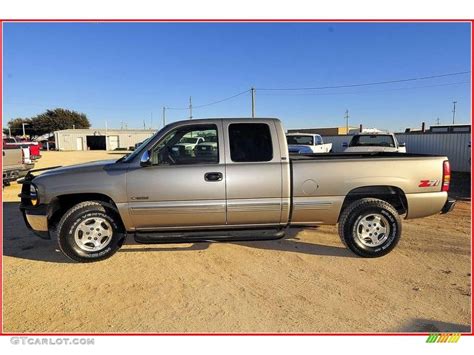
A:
<point x="208" y="236"/>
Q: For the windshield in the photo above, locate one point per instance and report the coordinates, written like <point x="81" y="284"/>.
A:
<point x="299" y="140"/>
<point x="374" y="140"/>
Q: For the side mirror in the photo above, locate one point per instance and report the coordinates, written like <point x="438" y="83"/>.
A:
<point x="145" y="160"/>
<point x="401" y="145"/>
<point x="344" y="145"/>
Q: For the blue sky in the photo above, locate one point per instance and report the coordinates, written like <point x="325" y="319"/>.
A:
<point x="128" y="72"/>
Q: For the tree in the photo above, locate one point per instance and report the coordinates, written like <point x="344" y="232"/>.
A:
<point x="16" y="127"/>
<point x="48" y="122"/>
<point x="58" y="119"/>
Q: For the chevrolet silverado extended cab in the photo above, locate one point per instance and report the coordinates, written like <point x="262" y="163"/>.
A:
<point x="246" y="186"/>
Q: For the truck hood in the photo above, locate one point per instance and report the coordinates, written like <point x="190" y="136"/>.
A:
<point x="71" y="169"/>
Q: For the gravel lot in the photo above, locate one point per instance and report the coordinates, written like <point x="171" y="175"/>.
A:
<point x="307" y="282"/>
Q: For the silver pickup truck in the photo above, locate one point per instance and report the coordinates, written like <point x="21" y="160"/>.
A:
<point x="238" y="183"/>
<point x="15" y="163"/>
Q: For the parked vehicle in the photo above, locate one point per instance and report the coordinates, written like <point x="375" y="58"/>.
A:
<point x="207" y="147"/>
<point x="34" y="147"/>
<point x="189" y="143"/>
<point x="374" y="142"/>
<point x="302" y="143"/>
<point x="15" y="164"/>
<point x="250" y="189"/>
<point x="48" y="144"/>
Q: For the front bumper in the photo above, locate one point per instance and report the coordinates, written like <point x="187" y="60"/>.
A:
<point x="36" y="219"/>
<point x="449" y="205"/>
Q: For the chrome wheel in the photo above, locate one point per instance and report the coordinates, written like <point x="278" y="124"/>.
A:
<point x="372" y="230"/>
<point x="93" y="234"/>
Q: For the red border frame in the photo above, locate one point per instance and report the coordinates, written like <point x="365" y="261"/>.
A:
<point x="223" y="21"/>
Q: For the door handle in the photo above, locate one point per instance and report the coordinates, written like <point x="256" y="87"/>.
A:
<point x="214" y="176"/>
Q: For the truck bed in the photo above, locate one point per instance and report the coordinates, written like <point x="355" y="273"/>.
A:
<point x="365" y="155"/>
<point x="321" y="182"/>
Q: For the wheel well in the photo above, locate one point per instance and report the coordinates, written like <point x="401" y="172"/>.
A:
<point x="62" y="203"/>
<point x="391" y="194"/>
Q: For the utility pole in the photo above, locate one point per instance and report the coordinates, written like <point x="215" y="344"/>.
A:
<point x="454" y="110"/>
<point x="253" y="102"/>
<point x="437" y="121"/>
<point x="121" y="124"/>
<point x="190" y="108"/>
<point x="151" y="120"/>
<point x="144" y="127"/>
<point x="23" y="125"/>
<point x="164" y="116"/>
<point x="346" y="116"/>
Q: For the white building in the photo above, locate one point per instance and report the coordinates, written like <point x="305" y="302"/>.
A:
<point x="99" y="139"/>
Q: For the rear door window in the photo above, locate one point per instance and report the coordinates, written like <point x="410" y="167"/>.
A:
<point x="250" y="142"/>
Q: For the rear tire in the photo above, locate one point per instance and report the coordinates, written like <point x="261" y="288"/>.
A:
<point x="370" y="227"/>
<point x="89" y="231"/>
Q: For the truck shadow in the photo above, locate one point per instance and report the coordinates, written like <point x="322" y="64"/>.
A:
<point x="19" y="242"/>
<point x="291" y="243"/>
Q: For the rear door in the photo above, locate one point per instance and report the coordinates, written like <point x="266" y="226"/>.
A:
<point x="253" y="173"/>
<point x="184" y="187"/>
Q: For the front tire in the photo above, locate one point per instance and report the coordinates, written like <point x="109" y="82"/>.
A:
<point x="89" y="231"/>
<point x="370" y="227"/>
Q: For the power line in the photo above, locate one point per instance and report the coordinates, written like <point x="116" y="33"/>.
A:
<point x="210" y="103"/>
<point x="370" y="91"/>
<point x="366" y="84"/>
<point x="226" y="99"/>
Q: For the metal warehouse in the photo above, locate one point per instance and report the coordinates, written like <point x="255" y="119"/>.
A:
<point x="99" y="139"/>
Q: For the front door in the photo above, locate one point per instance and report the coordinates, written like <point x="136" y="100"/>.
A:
<point x="185" y="185"/>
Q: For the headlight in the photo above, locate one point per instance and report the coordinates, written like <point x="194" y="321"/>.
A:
<point x="34" y="195"/>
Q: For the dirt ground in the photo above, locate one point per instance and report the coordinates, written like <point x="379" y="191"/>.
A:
<point x="307" y="282"/>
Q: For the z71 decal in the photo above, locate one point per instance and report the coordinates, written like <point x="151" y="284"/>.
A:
<point x="428" y="183"/>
